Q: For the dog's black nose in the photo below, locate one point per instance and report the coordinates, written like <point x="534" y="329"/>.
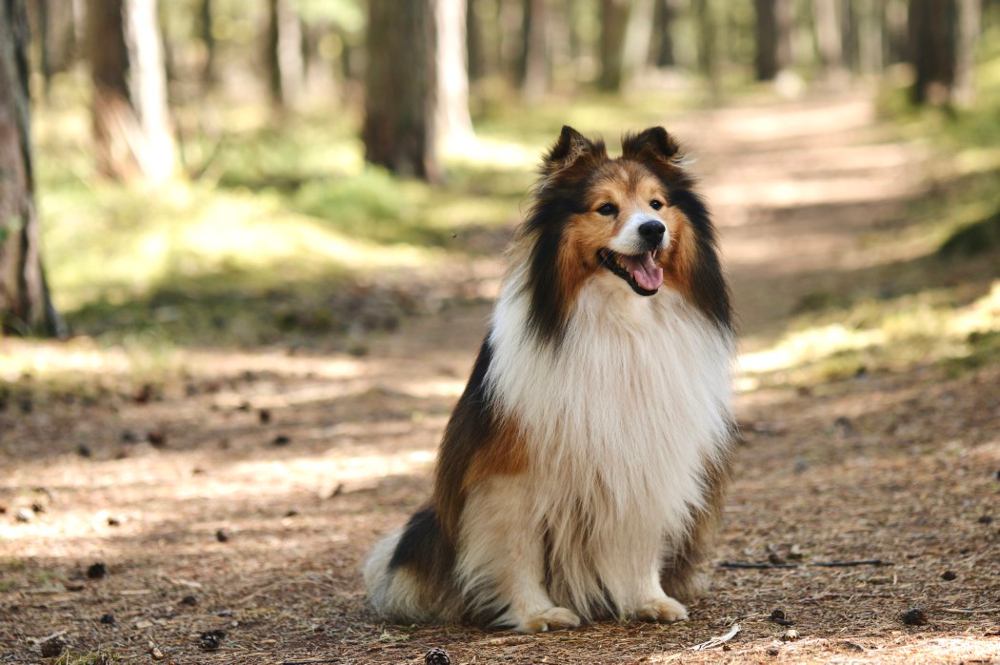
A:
<point x="652" y="232"/>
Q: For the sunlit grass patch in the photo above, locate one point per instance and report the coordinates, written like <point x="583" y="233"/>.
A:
<point x="99" y="657"/>
<point x="929" y="327"/>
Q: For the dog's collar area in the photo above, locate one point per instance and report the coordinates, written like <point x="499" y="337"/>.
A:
<point x="609" y="260"/>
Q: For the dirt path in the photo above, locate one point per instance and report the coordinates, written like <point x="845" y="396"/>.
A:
<point x="276" y="471"/>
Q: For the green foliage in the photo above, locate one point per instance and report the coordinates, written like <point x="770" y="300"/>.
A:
<point x="99" y="657"/>
<point x="286" y="229"/>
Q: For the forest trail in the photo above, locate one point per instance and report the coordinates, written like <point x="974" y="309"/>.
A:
<point x="242" y="495"/>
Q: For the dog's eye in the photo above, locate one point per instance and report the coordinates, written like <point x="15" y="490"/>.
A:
<point x="656" y="204"/>
<point x="608" y="209"/>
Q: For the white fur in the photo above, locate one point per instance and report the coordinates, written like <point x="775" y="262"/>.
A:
<point x="620" y="420"/>
<point x="628" y="241"/>
<point x="393" y="592"/>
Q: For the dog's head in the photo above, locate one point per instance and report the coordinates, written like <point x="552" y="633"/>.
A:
<point x="633" y="220"/>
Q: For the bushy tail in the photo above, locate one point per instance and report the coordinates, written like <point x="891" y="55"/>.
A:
<point x="413" y="582"/>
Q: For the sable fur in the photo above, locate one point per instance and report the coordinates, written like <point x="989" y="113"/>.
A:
<point x="584" y="467"/>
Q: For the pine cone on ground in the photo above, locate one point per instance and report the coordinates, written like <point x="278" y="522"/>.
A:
<point x="437" y="657"/>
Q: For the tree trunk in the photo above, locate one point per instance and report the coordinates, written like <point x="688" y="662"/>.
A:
<point x="932" y="51"/>
<point x="510" y="44"/>
<point x="401" y="93"/>
<point x="706" y="44"/>
<point x="208" y="74"/>
<point x="284" y="54"/>
<point x="638" y="36"/>
<point x="614" y="25"/>
<point x="474" y="47"/>
<point x="969" y="26"/>
<point x="661" y="52"/>
<point x="131" y="126"/>
<point x="871" y="46"/>
<point x="453" y="123"/>
<point x="535" y="55"/>
<point x="25" y="303"/>
<point x="895" y="29"/>
<point x="774" y="37"/>
<point x="826" y="15"/>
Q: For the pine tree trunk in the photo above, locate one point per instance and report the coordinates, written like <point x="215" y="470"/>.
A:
<point x="932" y="50"/>
<point x="535" y="56"/>
<point x="969" y="26"/>
<point x="614" y="24"/>
<point x="284" y="54"/>
<point x="774" y="37"/>
<point x="706" y="44"/>
<point x="25" y="304"/>
<point x="871" y="47"/>
<point x="474" y="46"/>
<point x="208" y="74"/>
<point x="826" y="15"/>
<point x="131" y="125"/>
<point x="401" y="93"/>
<point x="453" y="123"/>
<point x="661" y="52"/>
<point x="638" y="36"/>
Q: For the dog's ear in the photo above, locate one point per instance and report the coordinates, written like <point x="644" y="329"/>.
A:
<point x="571" y="146"/>
<point x="655" y="144"/>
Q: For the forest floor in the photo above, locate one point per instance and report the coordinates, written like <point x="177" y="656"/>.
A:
<point x="218" y="512"/>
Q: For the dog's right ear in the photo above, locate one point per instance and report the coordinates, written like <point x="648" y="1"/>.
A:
<point x="571" y="146"/>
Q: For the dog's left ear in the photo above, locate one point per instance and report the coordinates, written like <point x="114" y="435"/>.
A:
<point x="652" y="144"/>
<point x="570" y="147"/>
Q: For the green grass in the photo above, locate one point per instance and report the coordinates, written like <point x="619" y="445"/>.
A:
<point x="281" y="216"/>
<point x="943" y="308"/>
<point x="99" y="657"/>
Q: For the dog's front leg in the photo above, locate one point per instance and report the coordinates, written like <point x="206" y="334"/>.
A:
<point x="501" y="558"/>
<point x="657" y="605"/>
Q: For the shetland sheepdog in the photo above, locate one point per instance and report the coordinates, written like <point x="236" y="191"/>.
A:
<point x="582" y="472"/>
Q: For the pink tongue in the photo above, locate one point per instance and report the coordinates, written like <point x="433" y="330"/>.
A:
<point x="645" y="273"/>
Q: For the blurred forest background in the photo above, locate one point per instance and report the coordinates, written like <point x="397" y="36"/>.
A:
<point x="186" y="162"/>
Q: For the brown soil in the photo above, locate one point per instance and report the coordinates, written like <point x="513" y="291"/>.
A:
<point x="898" y="466"/>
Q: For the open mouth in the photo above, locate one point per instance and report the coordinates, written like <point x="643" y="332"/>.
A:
<point x="639" y="270"/>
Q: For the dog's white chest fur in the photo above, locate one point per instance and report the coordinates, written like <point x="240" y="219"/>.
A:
<point x="620" y="421"/>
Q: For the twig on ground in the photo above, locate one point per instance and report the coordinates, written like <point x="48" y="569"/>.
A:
<point x="39" y="640"/>
<point x="311" y="662"/>
<point x="816" y="564"/>
<point x="718" y="640"/>
<point x="958" y="610"/>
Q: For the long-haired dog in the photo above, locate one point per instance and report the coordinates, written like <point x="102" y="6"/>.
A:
<point x="582" y="471"/>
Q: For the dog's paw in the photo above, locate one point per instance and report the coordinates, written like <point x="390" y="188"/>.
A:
<point x="554" y="618"/>
<point x="665" y="610"/>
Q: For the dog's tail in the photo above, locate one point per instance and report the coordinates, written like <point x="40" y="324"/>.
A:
<point x="387" y="591"/>
<point x="409" y="574"/>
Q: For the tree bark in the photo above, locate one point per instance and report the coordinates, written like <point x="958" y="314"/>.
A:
<point x="208" y="73"/>
<point x="453" y="122"/>
<point x="535" y="54"/>
<point x="969" y="26"/>
<point x="614" y="25"/>
<point x="661" y="52"/>
<point x="706" y="44"/>
<point x="25" y="304"/>
<point x="932" y="51"/>
<point x="826" y="16"/>
<point x="474" y="47"/>
<point x="401" y="93"/>
<point x="284" y="54"/>
<point x="774" y="37"/>
<point x="871" y="45"/>
<point x="131" y="125"/>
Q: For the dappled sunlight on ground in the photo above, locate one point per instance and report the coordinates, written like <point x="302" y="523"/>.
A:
<point x="238" y="487"/>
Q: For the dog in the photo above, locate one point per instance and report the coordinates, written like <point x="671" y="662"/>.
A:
<point x="583" y="469"/>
